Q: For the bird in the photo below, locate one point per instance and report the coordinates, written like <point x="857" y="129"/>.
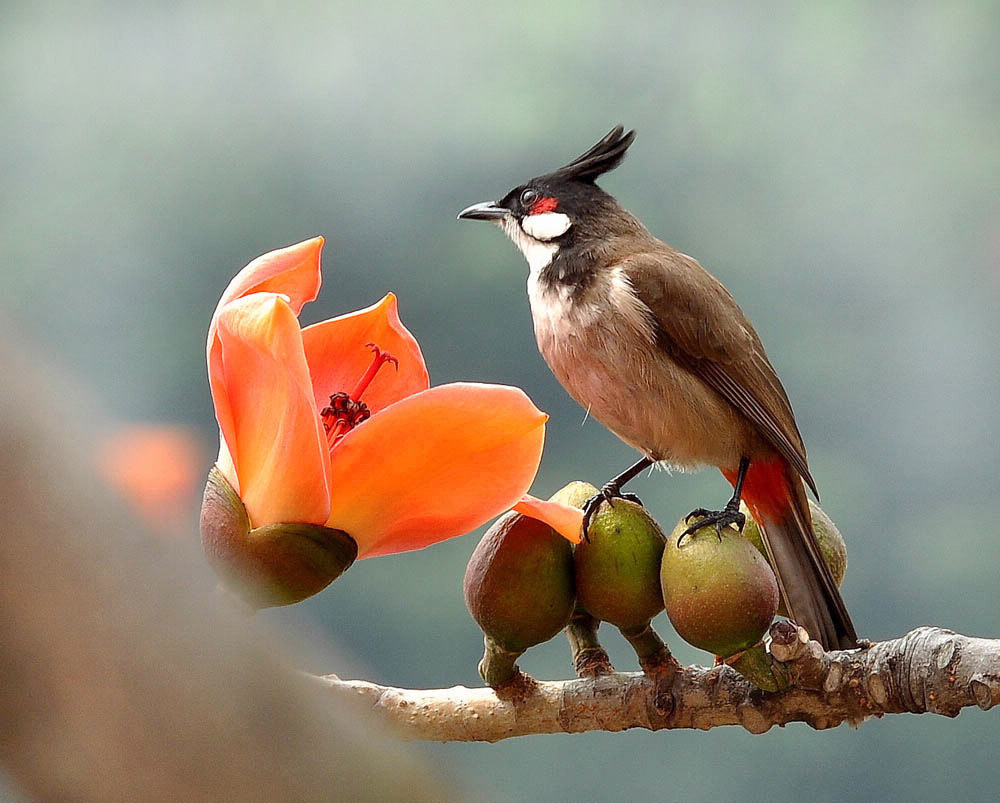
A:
<point x="655" y="348"/>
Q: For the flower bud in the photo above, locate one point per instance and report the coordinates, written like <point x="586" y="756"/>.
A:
<point x="831" y="542"/>
<point x="519" y="588"/>
<point x="617" y="568"/>
<point x="276" y="564"/>
<point x="719" y="592"/>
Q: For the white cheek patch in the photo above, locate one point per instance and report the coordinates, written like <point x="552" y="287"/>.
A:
<point x="538" y="254"/>
<point x="546" y="226"/>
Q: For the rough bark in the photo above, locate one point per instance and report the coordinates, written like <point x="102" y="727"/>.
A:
<point x="929" y="670"/>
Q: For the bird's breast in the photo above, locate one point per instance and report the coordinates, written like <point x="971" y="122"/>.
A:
<point x="601" y="345"/>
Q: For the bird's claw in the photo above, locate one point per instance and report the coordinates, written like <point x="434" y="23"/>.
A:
<point x="608" y="493"/>
<point x="720" y="518"/>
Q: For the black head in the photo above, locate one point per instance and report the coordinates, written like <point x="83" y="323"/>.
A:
<point x="558" y="206"/>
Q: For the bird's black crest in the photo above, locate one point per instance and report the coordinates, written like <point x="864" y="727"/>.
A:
<point x="605" y="156"/>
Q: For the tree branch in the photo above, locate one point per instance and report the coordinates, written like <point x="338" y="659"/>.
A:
<point x="929" y="670"/>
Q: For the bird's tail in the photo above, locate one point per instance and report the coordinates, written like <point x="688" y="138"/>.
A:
<point x="777" y="499"/>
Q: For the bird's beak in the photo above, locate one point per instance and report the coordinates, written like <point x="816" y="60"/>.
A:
<point x="488" y="210"/>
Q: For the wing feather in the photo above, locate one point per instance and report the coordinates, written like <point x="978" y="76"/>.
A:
<point x="701" y="326"/>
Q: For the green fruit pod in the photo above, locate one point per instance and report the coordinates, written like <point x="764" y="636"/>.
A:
<point x="617" y="574"/>
<point x="617" y="569"/>
<point x="519" y="587"/>
<point x="719" y="592"/>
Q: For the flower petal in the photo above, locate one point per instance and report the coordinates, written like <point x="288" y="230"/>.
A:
<point x="565" y="520"/>
<point x="264" y="403"/>
<point x="434" y="465"/>
<point x="338" y="356"/>
<point x="293" y="272"/>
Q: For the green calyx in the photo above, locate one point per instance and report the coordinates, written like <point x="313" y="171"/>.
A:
<point x="756" y="665"/>
<point x="719" y="592"/>
<point x="277" y="564"/>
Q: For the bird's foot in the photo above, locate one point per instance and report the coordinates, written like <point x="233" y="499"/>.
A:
<point x="730" y="514"/>
<point x="608" y="492"/>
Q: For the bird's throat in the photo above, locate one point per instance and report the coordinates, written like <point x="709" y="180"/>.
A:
<point x="538" y="254"/>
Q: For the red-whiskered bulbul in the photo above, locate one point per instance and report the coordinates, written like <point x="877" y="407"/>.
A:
<point x="657" y="350"/>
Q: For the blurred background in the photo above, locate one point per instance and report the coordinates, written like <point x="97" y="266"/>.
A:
<point x="836" y="165"/>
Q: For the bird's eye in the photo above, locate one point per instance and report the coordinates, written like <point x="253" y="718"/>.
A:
<point x="528" y="198"/>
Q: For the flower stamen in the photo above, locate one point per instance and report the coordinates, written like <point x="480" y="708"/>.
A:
<point x="346" y="410"/>
<point x="380" y="359"/>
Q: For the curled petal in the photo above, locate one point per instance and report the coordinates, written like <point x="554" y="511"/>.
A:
<point x="293" y="272"/>
<point x="264" y="403"/>
<point x="434" y="465"/>
<point x="224" y="462"/>
<point x="565" y="520"/>
<point x="338" y="356"/>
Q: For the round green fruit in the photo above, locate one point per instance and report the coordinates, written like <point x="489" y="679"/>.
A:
<point x="831" y="542"/>
<point x="617" y="569"/>
<point x="519" y="582"/>
<point x="720" y="594"/>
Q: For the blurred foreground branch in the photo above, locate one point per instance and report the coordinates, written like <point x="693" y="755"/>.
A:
<point x="123" y="674"/>
<point x="929" y="670"/>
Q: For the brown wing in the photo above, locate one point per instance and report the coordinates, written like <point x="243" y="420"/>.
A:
<point x="702" y="327"/>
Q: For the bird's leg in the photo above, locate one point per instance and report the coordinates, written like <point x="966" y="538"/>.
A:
<point x="612" y="489"/>
<point x="730" y="514"/>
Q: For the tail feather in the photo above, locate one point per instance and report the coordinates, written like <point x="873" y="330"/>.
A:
<point x="777" y="499"/>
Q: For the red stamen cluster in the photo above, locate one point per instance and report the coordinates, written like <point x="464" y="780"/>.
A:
<point x="346" y="410"/>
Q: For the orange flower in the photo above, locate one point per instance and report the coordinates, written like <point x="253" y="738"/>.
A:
<point x="335" y="425"/>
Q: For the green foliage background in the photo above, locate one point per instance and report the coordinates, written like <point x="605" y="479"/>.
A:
<point x="836" y="164"/>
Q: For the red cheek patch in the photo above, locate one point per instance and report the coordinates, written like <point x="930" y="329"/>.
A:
<point x="544" y="205"/>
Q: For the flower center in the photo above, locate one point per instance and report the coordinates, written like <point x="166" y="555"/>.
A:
<point x="346" y="410"/>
